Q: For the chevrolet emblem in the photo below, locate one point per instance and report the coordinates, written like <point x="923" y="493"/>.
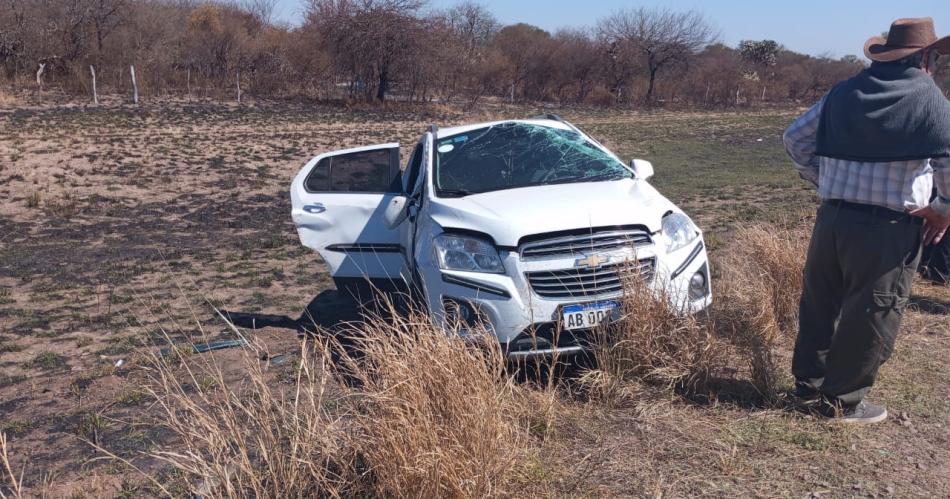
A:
<point x="592" y="261"/>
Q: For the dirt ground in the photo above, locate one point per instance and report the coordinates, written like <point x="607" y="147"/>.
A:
<point x="120" y="225"/>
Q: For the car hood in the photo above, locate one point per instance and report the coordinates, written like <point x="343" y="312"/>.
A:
<point x="511" y="214"/>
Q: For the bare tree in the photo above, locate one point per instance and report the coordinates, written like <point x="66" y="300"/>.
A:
<point x="392" y="49"/>
<point x="371" y="39"/>
<point x="473" y="24"/>
<point x="263" y="10"/>
<point x="662" y="37"/>
<point x="528" y="50"/>
<point x="470" y="28"/>
<point x="13" y="21"/>
<point x="105" y="16"/>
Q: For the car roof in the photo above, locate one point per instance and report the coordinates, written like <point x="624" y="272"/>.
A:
<point x="454" y="130"/>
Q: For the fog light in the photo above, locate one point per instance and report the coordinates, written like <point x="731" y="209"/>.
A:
<point x="697" y="285"/>
<point x="459" y="312"/>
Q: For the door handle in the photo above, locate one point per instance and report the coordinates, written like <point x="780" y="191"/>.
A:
<point x="315" y="208"/>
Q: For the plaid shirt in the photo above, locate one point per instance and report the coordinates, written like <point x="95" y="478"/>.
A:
<point x="897" y="185"/>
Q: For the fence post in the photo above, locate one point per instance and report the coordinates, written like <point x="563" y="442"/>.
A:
<point x="238" y="79"/>
<point x="135" y="86"/>
<point x="39" y="75"/>
<point x="95" y="91"/>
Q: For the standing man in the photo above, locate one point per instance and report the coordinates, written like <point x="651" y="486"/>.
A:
<point x="875" y="146"/>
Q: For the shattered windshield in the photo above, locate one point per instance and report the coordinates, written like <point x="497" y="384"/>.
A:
<point x="512" y="155"/>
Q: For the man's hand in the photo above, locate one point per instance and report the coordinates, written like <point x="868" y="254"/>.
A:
<point x="935" y="224"/>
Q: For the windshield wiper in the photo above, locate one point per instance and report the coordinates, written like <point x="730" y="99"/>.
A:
<point x="453" y="193"/>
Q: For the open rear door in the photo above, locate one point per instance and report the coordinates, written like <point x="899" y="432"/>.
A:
<point x="338" y="200"/>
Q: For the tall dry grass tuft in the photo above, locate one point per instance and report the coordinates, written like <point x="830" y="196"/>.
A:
<point x="757" y="294"/>
<point x="254" y="437"/>
<point x="15" y="484"/>
<point x="653" y="341"/>
<point x="440" y="417"/>
<point x="404" y="410"/>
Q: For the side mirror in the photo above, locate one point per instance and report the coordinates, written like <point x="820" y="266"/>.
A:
<point x="642" y="167"/>
<point x="396" y="211"/>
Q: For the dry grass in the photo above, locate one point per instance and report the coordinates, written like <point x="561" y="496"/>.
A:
<point x="755" y="309"/>
<point x="14" y="487"/>
<point x="257" y="438"/>
<point x="653" y="341"/>
<point x="440" y="414"/>
<point x="756" y="306"/>
<point x="408" y="411"/>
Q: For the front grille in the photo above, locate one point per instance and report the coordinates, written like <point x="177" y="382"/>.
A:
<point x="585" y="282"/>
<point x="585" y="243"/>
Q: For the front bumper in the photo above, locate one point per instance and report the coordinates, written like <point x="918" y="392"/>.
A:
<point x="526" y="323"/>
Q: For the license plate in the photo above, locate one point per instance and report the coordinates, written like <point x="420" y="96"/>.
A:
<point x="588" y="315"/>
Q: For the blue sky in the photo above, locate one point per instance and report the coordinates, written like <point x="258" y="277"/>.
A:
<point x="817" y="27"/>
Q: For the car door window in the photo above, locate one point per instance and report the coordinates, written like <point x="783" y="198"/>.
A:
<point x="364" y="171"/>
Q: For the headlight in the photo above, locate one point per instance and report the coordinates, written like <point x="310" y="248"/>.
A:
<point x="456" y="252"/>
<point x="679" y="230"/>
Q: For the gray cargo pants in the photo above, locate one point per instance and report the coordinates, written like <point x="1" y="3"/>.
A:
<point x="858" y="275"/>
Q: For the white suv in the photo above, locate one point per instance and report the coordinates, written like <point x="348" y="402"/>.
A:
<point x="523" y="225"/>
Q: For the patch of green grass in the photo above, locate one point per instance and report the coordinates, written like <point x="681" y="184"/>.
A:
<point x="132" y="397"/>
<point x="47" y="361"/>
<point x="769" y="432"/>
<point x="90" y="426"/>
<point x="15" y="427"/>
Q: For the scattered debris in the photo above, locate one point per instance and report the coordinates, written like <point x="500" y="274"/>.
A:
<point x="903" y="419"/>
<point x="282" y="359"/>
<point x="210" y="346"/>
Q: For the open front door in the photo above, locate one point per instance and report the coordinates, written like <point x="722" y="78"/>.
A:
<point x="338" y="200"/>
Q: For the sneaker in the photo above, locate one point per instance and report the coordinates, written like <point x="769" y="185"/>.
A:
<point x="805" y="392"/>
<point x="861" y="413"/>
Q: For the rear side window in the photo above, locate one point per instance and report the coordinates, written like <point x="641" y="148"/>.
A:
<point x="319" y="178"/>
<point x="365" y="171"/>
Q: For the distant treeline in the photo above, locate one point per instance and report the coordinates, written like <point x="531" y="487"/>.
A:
<point x="363" y="50"/>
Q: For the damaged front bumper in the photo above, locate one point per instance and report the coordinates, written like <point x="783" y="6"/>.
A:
<point x="523" y="308"/>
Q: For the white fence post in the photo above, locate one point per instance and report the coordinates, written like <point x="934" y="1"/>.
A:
<point x="95" y="92"/>
<point x="135" y="86"/>
<point x="39" y="75"/>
